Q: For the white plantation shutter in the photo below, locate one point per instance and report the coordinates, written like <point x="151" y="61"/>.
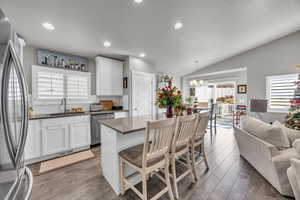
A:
<point x="50" y="85"/>
<point x="77" y="86"/>
<point x="280" y="90"/>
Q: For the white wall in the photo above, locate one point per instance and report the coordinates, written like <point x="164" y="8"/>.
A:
<point x="239" y="77"/>
<point x="30" y="59"/>
<point x="275" y="58"/>
<point x="135" y="64"/>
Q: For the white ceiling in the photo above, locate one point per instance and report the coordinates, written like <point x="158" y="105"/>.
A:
<point x="212" y="29"/>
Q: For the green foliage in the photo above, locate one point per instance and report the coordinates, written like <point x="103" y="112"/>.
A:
<point x="168" y="96"/>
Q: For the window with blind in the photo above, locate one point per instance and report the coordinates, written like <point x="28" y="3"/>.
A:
<point x="280" y="90"/>
<point x="51" y="85"/>
<point x="77" y="86"/>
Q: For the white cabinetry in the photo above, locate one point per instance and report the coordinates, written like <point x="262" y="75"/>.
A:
<point x="48" y="137"/>
<point x="109" y="77"/>
<point x="33" y="143"/>
<point x="120" y="114"/>
<point x="55" y="139"/>
<point x="80" y="133"/>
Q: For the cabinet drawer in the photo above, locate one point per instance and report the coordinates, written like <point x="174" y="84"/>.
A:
<point x="64" y="120"/>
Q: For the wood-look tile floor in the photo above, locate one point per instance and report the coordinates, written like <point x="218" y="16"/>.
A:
<point x="230" y="178"/>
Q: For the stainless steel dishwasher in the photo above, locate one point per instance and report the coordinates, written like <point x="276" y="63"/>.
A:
<point x="96" y="128"/>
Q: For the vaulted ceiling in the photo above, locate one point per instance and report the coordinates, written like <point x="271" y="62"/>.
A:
<point x="212" y="29"/>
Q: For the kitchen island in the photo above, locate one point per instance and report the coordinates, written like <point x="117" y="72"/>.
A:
<point x="118" y="135"/>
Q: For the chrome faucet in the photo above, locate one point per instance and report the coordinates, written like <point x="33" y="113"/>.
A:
<point x="64" y="103"/>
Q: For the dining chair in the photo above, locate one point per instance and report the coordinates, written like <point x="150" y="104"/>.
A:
<point x="181" y="147"/>
<point x="213" y="118"/>
<point x="197" y="141"/>
<point x="150" y="157"/>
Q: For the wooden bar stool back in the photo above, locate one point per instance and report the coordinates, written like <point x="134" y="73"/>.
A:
<point x="198" y="140"/>
<point x="149" y="157"/>
<point x="184" y="132"/>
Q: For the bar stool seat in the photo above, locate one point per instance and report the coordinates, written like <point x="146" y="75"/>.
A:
<point x="149" y="158"/>
<point x="134" y="155"/>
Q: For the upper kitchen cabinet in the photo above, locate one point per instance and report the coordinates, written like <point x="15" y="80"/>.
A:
<point x="109" y="77"/>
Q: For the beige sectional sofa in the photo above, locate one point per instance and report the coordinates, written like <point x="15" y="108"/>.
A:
<point x="267" y="148"/>
<point x="294" y="171"/>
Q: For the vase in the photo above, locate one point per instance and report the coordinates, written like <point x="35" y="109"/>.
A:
<point x="189" y="111"/>
<point x="169" y="113"/>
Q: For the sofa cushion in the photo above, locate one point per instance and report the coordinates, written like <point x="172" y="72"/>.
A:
<point x="295" y="164"/>
<point x="271" y="134"/>
<point x="296" y="146"/>
<point x="291" y="134"/>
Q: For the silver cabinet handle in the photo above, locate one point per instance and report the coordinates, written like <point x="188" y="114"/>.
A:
<point x="11" y="57"/>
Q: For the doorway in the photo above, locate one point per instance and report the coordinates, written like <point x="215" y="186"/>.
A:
<point x="143" y="93"/>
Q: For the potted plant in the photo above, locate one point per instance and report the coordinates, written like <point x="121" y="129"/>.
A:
<point x="169" y="97"/>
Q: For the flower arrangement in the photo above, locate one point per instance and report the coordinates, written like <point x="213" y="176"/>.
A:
<point x="169" y="97"/>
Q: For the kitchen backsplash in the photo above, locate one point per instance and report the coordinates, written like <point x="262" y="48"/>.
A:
<point x="54" y="108"/>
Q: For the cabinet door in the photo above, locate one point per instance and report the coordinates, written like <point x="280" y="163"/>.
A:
<point x="33" y="147"/>
<point x="80" y="134"/>
<point x="104" y="76"/>
<point x="55" y="138"/>
<point x="120" y="114"/>
<point x="117" y="78"/>
<point x="109" y="75"/>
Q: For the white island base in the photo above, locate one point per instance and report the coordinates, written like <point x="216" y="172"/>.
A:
<point x="112" y="142"/>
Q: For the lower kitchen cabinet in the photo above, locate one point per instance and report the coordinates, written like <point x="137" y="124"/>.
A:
<point x="48" y="138"/>
<point x="80" y="134"/>
<point x="33" y="147"/>
<point x="120" y="115"/>
<point x="55" y="139"/>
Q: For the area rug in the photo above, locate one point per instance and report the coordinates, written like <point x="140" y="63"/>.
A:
<point x="61" y="162"/>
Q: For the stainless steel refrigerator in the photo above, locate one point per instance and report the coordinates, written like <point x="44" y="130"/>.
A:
<point x="15" y="177"/>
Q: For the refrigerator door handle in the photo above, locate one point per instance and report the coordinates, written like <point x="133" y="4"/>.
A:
<point x="15" y="153"/>
<point x="30" y="183"/>
<point x="24" y="93"/>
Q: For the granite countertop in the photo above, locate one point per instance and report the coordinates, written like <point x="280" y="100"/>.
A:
<point x="57" y="115"/>
<point x="130" y="124"/>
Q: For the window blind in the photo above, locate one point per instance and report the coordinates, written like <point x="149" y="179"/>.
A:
<point x="77" y="86"/>
<point x="50" y="85"/>
<point x="281" y="90"/>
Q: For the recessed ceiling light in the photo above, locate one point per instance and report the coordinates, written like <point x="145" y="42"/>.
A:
<point x="107" y="44"/>
<point x="178" y="25"/>
<point x="138" y="1"/>
<point x="142" y="55"/>
<point x="48" y="26"/>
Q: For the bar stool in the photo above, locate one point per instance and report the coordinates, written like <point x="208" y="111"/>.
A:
<point x="213" y="118"/>
<point x="181" y="146"/>
<point x="150" y="157"/>
<point x="198" y="140"/>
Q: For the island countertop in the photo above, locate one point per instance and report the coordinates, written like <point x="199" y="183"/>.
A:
<point x="130" y="124"/>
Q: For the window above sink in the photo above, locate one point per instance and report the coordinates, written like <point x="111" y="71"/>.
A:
<point x="49" y="86"/>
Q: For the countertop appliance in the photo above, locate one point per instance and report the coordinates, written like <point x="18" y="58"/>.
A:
<point x="96" y="128"/>
<point x="15" y="177"/>
<point x="95" y="107"/>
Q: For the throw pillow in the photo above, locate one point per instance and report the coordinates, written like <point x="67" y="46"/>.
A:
<point x="291" y="134"/>
<point x="271" y="134"/>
